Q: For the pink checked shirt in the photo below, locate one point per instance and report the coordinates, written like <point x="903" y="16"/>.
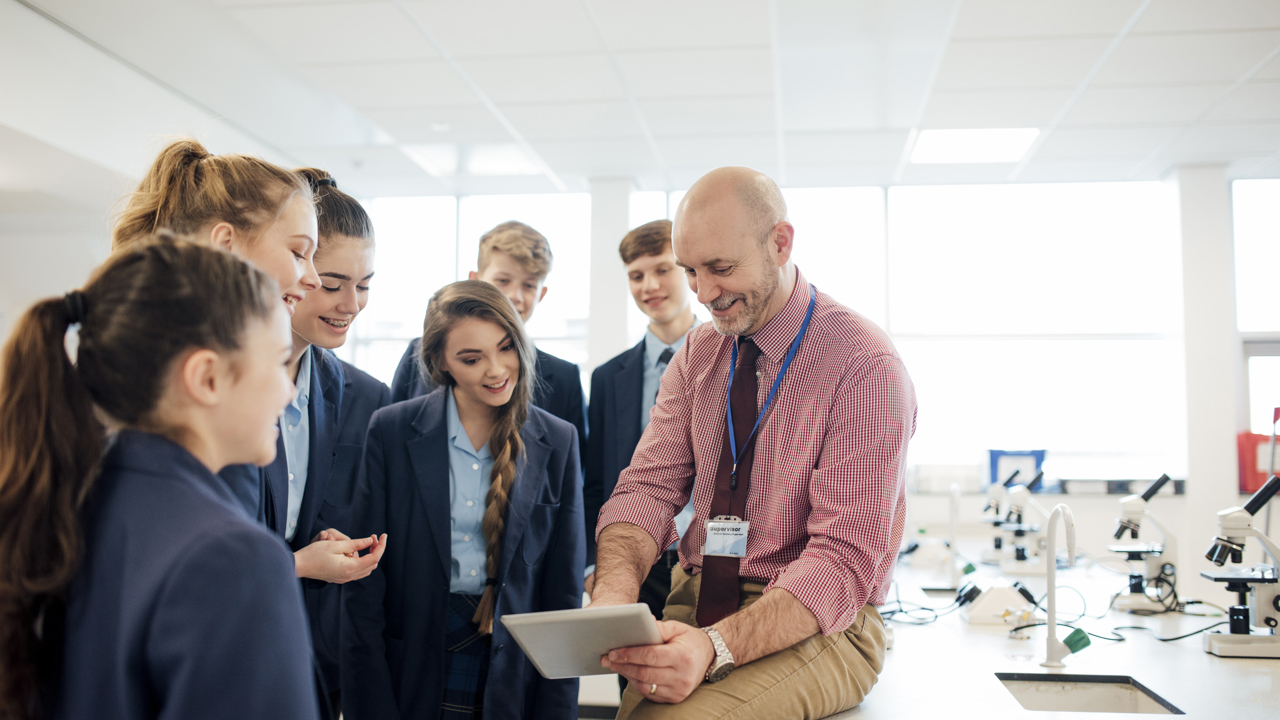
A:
<point x="826" y="501"/>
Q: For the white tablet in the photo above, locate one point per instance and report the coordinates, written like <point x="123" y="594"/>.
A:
<point x="569" y="643"/>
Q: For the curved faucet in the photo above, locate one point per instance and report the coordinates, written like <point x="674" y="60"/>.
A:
<point x="1055" y="649"/>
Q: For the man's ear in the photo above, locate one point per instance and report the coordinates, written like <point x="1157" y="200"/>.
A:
<point x="222" y="236"/>
<point x="781" y="241"/>
<point x="473" y="275"/>
<point x="203" y="377"/>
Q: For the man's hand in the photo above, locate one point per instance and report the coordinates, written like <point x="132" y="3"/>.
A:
<point x="339" y="561"/>
<point x="676" y="667"/>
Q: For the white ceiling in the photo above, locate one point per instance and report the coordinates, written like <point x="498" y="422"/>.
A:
<point x="815" y="92"/>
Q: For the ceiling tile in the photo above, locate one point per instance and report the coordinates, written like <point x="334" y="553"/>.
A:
<point x="956" y="174"/>
<point x="671" y="24"/>
<point x="859" y="176"/>
<point x="1186" y="59"/>
<point x="1251" y="101"/>
<point x="1076" y="171"/>
<point x="1229" y="140"/>
<point x="355" y="167"/>
<point x="698" y="73"/>
<point x="424" y="83"/>
<point x="993" y="108"/>
<point x="850" y="149"/>
<point x="1201" y="16"/>
<point x="1020" y="18"/>
<point x="834" y="87"/>
<point x="503" y="28"/>
<point x="557" y="78"/>
<point x="1041" y="63"/>
<point x="709" y="116"/>
<point x="757" y="151"/>
<point x="444" y="124"/>
<point x="1102" y="143"/>
<point x="573" y="121"/>
<point x="1142" y="105"/>
<point x="596" y="157"/>
<point x="1270" y="72"/>
<point x="335" y="33"/>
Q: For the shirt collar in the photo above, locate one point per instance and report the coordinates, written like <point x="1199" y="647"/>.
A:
<point x="653" y="345"/>
<point x="458" y="434"/>
<point x="303" y="396"/>
<point x="776" y="336"/>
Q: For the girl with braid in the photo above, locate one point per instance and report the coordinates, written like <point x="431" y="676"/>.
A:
<point x="482" y="490"/>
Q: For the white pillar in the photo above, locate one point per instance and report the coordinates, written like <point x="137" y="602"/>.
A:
<point x="607" y="322"/>
<point x="1213" y="357"/>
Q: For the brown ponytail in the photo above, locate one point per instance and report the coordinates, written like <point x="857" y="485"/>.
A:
<point x="187" y="189"/>
<point x="338" y="214"/>
<point x="450" y="305"/>
<point x="141" y="310"/>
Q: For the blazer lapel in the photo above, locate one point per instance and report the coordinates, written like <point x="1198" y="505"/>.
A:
<point x="326" y="398"/>
<point x="629" y="389"/>
<point x="429" y="454"/>
<point x="529" y="478"/>
<point x="275" y="490"/>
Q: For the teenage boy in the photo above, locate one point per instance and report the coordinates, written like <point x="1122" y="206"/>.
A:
<point x="623" y="390"/>
<point x="516" y="259"/>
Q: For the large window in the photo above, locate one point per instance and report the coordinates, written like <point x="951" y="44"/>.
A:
<point x="1042" y="316"/>
<point x="1256" y="221"/>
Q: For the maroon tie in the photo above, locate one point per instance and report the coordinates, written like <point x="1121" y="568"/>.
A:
<point x="718" y="596"/>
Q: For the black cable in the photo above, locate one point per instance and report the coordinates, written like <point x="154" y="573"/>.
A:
<point x="1084" y="604"/>
<point x="1180" y="637"/>
<point x="1116" y="636"/>
<point x="891" y="614"/>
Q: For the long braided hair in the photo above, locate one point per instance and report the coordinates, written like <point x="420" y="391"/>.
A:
<point x="479" y="300"/>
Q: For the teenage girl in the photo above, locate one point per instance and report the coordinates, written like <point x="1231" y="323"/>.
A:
<point x="133" y="584"/>
<point x="484" y="488"/>
<point x="264" y="214"/>
<point x="340" y="403"/>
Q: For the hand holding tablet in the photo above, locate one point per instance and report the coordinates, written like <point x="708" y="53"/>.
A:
<point x="569" y="643"/>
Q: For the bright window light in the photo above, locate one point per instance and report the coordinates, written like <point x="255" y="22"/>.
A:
<point x="1257" y="229"/>
<point x="1006" y="145"/>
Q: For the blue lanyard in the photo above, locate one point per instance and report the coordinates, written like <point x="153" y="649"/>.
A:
<point x="786" y="363"/>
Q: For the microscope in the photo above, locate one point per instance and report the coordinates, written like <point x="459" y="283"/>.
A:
<point x="1144" y="592"/>
<point x="1257" y="589"/>
<point x="1026" y="540"/>
<point x="1001" y="546"/>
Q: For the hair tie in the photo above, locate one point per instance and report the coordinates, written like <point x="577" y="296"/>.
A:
<point x="327" y="181"/>
<point x="75" y="303"/>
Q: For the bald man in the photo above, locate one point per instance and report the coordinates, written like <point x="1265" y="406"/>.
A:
<point x="787" y="421"/>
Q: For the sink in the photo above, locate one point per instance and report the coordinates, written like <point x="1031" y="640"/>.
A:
<point x="1084" y="693"/>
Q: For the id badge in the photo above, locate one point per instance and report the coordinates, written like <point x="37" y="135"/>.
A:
<point x="726" y="537"/>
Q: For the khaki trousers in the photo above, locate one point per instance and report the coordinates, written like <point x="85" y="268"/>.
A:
<point x="814" y="678"/>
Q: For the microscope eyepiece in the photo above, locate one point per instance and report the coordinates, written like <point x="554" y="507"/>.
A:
<point x="1222" y="550"/>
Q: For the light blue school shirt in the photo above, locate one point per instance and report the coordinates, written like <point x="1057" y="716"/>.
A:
<point x="469" y="471"/>
<point x="653" y="371"/>
<point x="295" y="424"/>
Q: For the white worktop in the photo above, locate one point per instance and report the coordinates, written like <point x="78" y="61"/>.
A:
<point x="947" y="669"/>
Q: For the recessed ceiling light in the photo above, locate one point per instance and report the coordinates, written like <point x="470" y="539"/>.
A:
<point x="500" y="159"/>
<point x="1000" y="145"/>
<point x="437" y="160"/>
<point x="440" y="127"/>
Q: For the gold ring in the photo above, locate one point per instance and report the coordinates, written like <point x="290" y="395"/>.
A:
<point x="653" y="688"/>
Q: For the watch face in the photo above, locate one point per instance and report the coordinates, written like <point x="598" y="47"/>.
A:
<point x="721" y="672"/>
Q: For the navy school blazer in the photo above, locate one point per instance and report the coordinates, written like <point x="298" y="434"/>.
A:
<point x="183" y="605"/>
<point x="614" y="416"/>
<point x="558" y="390"/>
<point x="394" y="621"/>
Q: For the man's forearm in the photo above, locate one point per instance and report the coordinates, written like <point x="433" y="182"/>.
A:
<point x="623" y="558"/>
<point x="774" y="622"/>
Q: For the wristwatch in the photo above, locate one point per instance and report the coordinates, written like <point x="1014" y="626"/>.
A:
<point x="723" y="664"/>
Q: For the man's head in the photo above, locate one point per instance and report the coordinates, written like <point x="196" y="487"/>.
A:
<point x="656" y="281"/>
<point x="516" y="259"/>
<point x="733" y="240"/>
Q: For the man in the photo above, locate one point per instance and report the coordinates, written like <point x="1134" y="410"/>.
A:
<point x="797" y="485"/>
<point x="624" y="389"/>
<point x="516" y="259"/>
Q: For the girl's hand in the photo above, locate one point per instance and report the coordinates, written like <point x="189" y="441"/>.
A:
<point x="339" y="561"/>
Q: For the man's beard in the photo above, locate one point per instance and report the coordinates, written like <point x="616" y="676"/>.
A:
<point x="754" y="304"/>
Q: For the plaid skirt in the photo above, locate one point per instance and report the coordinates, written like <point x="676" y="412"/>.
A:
<point x="466" y="661"/>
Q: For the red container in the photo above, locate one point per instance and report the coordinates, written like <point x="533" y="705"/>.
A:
<point x="1254" y="454"/>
